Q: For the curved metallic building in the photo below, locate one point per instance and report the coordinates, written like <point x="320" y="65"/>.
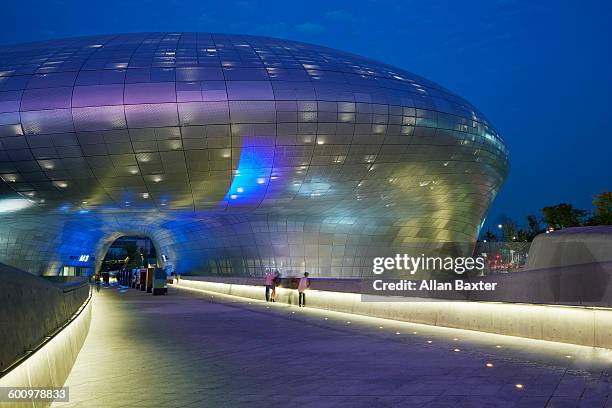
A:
<point x="234" y="154"/>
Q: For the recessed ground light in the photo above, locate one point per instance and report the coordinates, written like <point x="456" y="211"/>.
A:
<point x="348" y="322"/>
<point x="326" y="318"/>
<point x="397" y="333"/>
<point x="455" y="339"/>
<point x="380" y="327"/>
<point x="498" y="346"/>
<point x="519" y="386"/>
<point x="568" y="356"/>
<point x="414" y="332"/>
<point x="456" y="350"/>
<point x="489" y="365"/>
<point x="429" y="341"/>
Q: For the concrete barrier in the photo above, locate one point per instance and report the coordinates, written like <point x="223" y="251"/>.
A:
<point x="43" y="326"/>
<point x="571" y="246"/>
<point x="32" y="308"/>
<point x="586" y="326"/>
<point x="49" y="366"/>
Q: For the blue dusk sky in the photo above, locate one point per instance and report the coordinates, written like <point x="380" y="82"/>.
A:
<point x="541" y="71"/>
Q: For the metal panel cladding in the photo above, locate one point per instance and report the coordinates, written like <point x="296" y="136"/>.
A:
<point x="253" y="152"/>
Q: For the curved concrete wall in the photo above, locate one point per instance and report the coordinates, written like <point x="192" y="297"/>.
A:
<point x="571" y="246"/>
<point x="576" y="325"/>
<point x="50" y="365"/>
<point x="574" y="285"/>
<point x="32" y="308"/>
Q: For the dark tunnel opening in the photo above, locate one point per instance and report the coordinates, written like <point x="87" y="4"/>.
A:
<point x="128" y="252"/>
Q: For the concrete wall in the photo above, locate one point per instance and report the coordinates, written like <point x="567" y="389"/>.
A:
<point x="572" y="285"/>
<point x="571" y="246"/>
<point x="32" y="308"/>
<point x="575" y="325"/>
<point x="50" y="365"/>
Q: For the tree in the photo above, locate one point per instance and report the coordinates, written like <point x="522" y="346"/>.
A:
<point x="134" y="256"/>
<point x="490" y="237"/>
<point x="509" y="227"/>
<point x="563" y="216"/>
<point x="602" y="214"/>
<point x="523" y="235"/>
<point x="533" y="227"/>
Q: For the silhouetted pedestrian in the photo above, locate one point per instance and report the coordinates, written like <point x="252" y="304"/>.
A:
<point x="276" y="280"/>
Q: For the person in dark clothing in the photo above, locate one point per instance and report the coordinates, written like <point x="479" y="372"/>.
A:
<point x="275" y="282"/>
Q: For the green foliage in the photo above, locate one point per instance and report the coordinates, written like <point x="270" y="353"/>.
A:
<point x="522" y="235"/>
<point x="490" y="237"/>
<point x="533" y="228"/>
<point x="563" y="216"/>
<point x="602" y="214"/>
<point x="557" y="216"/>
<point x="509" y="228"/>
<point x="136" y="258"/>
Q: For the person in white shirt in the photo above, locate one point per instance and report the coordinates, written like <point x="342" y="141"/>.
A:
<point x="302" y="287"/>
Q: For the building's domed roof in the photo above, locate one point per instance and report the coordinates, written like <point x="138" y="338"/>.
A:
<point x="169" y="119"/>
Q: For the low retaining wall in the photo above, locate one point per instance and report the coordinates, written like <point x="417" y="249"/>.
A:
<point x="586" y="326"/>
<point x="49" y="366"/>
<point x="43" y="327"/>
<point x="570" y="285"/>
<point x="31" y="309"/>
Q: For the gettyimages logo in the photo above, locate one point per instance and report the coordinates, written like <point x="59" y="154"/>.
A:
<point x="412" y="265"/>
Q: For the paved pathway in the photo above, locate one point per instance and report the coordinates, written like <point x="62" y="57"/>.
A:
<point x="192" y="349"/>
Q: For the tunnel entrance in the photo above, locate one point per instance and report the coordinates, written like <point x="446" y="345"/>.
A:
<point x="128" y="252"/>
<point x="131" y="261"/>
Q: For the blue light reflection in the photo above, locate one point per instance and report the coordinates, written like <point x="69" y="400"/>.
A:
<point x="252" y="175"/>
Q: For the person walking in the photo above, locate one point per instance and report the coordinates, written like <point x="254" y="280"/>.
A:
<point x="268" y="282"/>
<point x="303" y="286"/>
<point x="276" y="280"/>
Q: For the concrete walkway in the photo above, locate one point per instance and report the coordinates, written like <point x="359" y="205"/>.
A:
<point x="192" y="349"/>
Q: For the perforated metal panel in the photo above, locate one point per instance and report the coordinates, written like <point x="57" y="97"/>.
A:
<point x="236" y="152"/>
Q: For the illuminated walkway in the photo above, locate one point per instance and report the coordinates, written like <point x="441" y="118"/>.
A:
<point x="192" y="350"/>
